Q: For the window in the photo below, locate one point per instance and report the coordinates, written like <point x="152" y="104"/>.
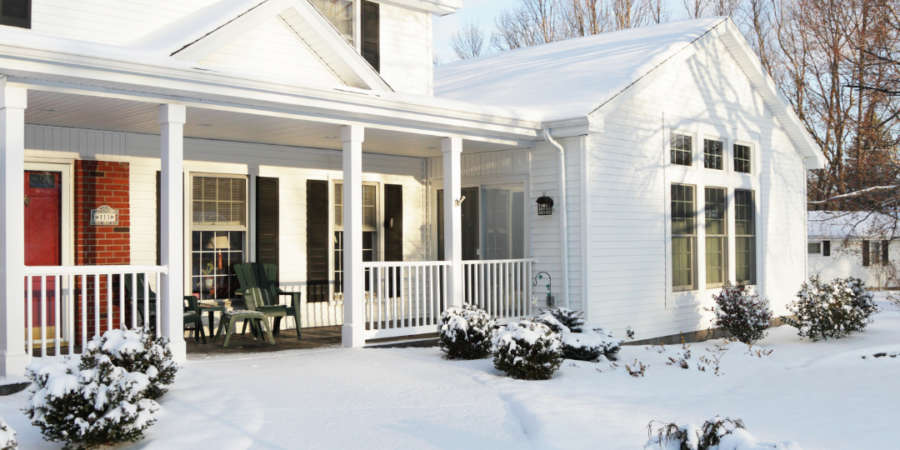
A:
<point x="681" y="149"/>
<point x="370" y="230"/>
<point x="684" y="233"/>
<point x="716" y="237"/>
<point x="813" y="248"/>
<point x="218" y="234"/>
<point x="745" y="237"/>
<point x="875" y="252"/>
<point x="15" y="13"/>
<point x="742" y="158"/>
<point x="826" y="248"/>
<point x="340" y="13"/>
<point x="712" y="154"/>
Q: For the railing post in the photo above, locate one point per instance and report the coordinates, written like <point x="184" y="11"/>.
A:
<point x="452" y="148"/>
<point x="13" y="358"/>
<point x="353" y="331"/>
<point x="171" y="317"/>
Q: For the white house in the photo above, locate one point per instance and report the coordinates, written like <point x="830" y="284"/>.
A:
<point x="169" y="140"/>
<point x="853" y="244"/>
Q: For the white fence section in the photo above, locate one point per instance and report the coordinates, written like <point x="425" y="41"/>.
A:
<point x="404" y="298"/>
<point x="500" y="287"/>
<point x="56" y="296"/>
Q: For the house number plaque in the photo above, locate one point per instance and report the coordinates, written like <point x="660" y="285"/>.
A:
<point x="104" y="215"/>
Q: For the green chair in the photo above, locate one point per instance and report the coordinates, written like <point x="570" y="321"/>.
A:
<point x="255" y="317"/>
<point x="263" y="276"/>
<point x="192" y="315"/>
<point x="138" y="295"/>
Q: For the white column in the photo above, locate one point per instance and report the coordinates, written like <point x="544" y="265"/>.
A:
<point x="171" y="320"/>
<point x="13" y="358"/>
<point x="353" y="331"/>
<point x="452" y="147"/>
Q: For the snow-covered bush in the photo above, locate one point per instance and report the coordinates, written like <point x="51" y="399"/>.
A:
<point x="135" y="351"/>
<point x="743" y="315"/>
<point x="89" y="408"/>
<point x="579" y="344"/>
<point x="715" y="434"/>
<point x="527" y="350"/>
<point x="7" y="437"/>
<point x="465" y="332"/>
<point x="831" y="310"/>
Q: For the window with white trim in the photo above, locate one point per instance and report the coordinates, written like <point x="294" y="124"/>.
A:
<point x="218" y="234"/>
<point x="681" y="149"/>
<point x="745" y="236"/>
<point x="716" y="236"/>
<point x="341" y="14"/>
<point x="713" y="152"/>
<point x="370" y="229"/>
<point x="684" y="237"/>
<point x="741" y="158"/>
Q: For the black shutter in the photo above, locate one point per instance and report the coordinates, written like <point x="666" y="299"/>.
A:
<point x="865" y="252"/>
<point x="15" y="13"/>
<point x="393" y="222"/>
<point x="317" y="274"/>
<point x="267" y="217"/>
<point x="371" y="34"/>
<point x="826" y="248"/>
<point x="885" y="259"/>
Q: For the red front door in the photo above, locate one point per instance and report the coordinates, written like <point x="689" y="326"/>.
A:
<point x="43" y="202"/>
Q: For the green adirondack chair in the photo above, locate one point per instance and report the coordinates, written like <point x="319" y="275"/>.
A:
<point x="258" y="320"/>
<point x="192" y="315"/>
<point x="191" y="307"/>
<point x="263" y="276"/>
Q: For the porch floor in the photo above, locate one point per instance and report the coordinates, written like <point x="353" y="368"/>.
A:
<point x="245" y="343"/>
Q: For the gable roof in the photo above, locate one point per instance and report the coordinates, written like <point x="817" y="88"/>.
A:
<point x="595" y="74"/>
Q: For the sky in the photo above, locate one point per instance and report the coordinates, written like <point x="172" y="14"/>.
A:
<point x="478" y="11"/>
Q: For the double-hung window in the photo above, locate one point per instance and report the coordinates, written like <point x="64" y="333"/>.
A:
<point x="684" y="234"/>
<point x="712" y="154"/>
<point x="370" y="230"/>
<point x="745" y="236"/>
<point x="218" y="234"/>
<point x="716" y="236"/>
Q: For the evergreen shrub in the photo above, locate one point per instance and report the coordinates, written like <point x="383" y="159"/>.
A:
<point x="743" y="315"/>
<point x="465" y="332"/>
<point x="527" y="350"/>
<point x="831" y="310"/>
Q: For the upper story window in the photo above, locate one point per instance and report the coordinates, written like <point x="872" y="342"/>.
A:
<point x="15" y="13"/>
<point x="344" y="14"/>
<point x="712" y="154"/>
<point x="681" y="149"/>
<point x="341" y="14"/>
<point x="741" y="158"/>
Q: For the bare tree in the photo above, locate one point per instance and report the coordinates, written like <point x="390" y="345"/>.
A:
<point x="533" y="22"/>
<point x="656" y="11"/>
<point x="468" y="41"/>
<point x="695" y="8"/>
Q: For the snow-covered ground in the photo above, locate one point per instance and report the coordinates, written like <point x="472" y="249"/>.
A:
<point x="821" y="395"/>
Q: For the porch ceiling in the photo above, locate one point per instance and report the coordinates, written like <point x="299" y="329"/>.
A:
<point x="110" y="114"/>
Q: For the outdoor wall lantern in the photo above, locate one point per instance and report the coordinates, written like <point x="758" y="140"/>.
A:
<point x="545" y="205"/>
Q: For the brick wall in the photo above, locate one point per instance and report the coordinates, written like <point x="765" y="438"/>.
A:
<point x="100" y="183"/>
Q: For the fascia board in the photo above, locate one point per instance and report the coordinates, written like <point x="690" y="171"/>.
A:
<point x="438" y="7"/>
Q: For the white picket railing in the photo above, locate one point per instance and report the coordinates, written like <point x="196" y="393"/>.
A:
<point x="500" y="287"/>
<point x="404" y="298"/>
<point x="51" y="291"/>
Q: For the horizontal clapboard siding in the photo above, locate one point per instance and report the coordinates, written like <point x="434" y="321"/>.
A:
<point x="628" y="269"/>
<point x="406" y="54"/>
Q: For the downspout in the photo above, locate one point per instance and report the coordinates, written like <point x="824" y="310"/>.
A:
<point x="563" y="222"/>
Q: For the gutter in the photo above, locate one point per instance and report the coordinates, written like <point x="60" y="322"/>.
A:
<point x="563" y="222"/>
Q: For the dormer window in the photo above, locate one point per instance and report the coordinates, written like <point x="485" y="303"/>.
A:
<point x="15" y="13"/>
<point x="341" y="14"/>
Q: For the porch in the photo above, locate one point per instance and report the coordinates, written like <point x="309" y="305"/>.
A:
<point x="66" y="304"/>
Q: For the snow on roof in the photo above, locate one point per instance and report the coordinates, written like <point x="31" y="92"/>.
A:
<point x="858" y="225"/>
<point x="568" y="79"/>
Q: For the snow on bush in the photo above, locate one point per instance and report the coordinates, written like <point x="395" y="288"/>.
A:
<point x="743" y="315"/>
<point x="465" y="332"/>
<point x="831" y="310"/>
<point x="527" y="350"/>
<point x="579" y="345"/>
<point x="135" y="351"/>
<point x="89" y="407"/>
<point x="7" y="436"/>
<point x="715" y="434"/>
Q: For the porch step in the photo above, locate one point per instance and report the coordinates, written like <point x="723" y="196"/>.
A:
<point x="423" y="341"/>
<point x="10" y="386"/>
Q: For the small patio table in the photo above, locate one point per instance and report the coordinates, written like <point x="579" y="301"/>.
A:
<point x="212" y="309"/>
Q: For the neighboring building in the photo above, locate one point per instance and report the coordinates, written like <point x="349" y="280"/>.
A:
<point x="226" y="131"/>
<point x="843" y="244"/>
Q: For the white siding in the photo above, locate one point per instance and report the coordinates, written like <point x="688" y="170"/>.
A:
<point x="272" y="48"/>
<point x="846" y="261"/>
<point x="628" y="186"/>
<point x="406" y="49"/>
<point x="292" y="165"/>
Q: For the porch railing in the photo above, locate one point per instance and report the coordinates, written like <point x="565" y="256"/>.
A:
<point x="500" y="287"/>
<point x="69" y="299"/>
<point x="404" y="298"/>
